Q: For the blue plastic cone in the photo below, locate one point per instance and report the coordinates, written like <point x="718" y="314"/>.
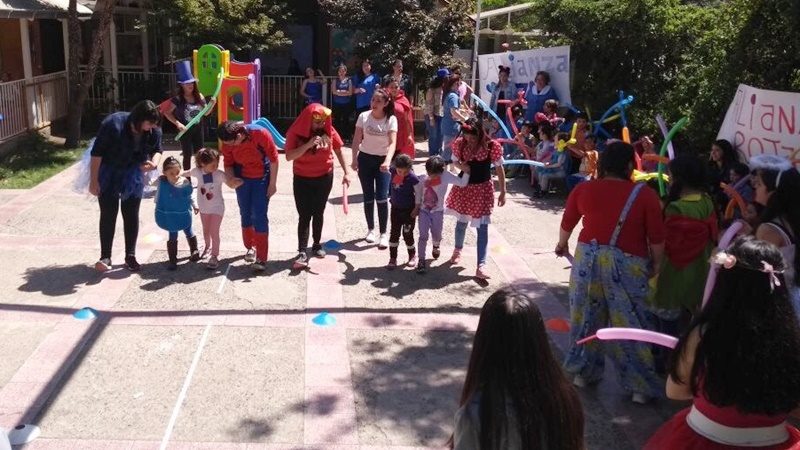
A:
<point x="324" y="320"/>
<point x="332" y="245"/>
<point x="85" y="314"/>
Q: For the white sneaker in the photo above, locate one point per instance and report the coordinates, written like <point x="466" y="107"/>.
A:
<point x="103" y="265"/>
<point x="384" y="241"/>
<point x="250" y="256"/>
<point x="371" y="237"/>
<point x="578" y="381"/>
<point x="639" y="398"/>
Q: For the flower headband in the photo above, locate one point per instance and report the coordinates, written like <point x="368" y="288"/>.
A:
<point x="728" y="261"/>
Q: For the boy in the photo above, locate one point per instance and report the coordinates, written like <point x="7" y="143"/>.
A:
<point x="403" y="209"/>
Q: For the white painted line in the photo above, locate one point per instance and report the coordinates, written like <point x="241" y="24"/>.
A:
<point x="179" y="403"/>
<point x="223" y="280"/>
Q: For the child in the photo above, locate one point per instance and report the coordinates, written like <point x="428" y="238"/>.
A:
<point x="211" y="204"/>
<point x="588" y="163"/>
<point x="523" y="148"/>
<point x="429" y="194"/>
<point x="551" y="113"/>
<point x="739" y="361"/>
<point x="554" y="168"/>
<point x="403" y="209"/>
<point x="544" y="150"/>
<point x="174" y="205"/>
<point x="738" y="172"/>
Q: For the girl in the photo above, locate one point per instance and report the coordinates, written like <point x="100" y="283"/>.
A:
<point x="515" y="395"/>
<point x="373" y="149"/>
<point x="544" y="151"/>
<point x="210" y="201"/>
<point x="429" y="195"/>
<point x="473" y="203"/>
<point x="504" y="90"/>
<point x="554" y="168"/>
<point x="311" y="87"/>
<point x="311" y="142"/>
<point x="183" y="107"/>
<point x="450" y="119"/>
<point x="404" y="182"/>
<point x="365" y="87"/>
<point x="251" y="163"/>
<point x="739" y="360"/>
<point x="691" y="226"/>
<point x="721" y="160"/>
<point x="405" y="118"/>
<point x="342" y="88"/>
<point x="777" y="188"/>
<point x="174" y="205"/>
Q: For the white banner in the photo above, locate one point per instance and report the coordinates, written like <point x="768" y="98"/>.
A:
<point x="524" y="65"/>
<point x="763" y="122"/>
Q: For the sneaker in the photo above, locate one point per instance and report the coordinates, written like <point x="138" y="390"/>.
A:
<point x="103" y="265"/>
<point x="392" y="264"/>
<point x="318" y="251"/>
<point x="436" y="252"/>
<point x="131" y="263"/>
<point x="260" y="266"/>
<point x="212" y="263"/>
<point x="250" y="256"/>
<point x="456" y="256"/>
<point x="371" y="237"/>
<point x="412" y="261"/>
<point x="579" y="381"/>
<point x="383" y="243"/>
<point x="301" y="261"/>
<point x="481" y="273"/>
<point x="639" y="398"/>
<point x="421" y="267"/>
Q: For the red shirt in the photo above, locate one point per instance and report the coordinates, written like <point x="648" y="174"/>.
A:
<point x="600" y="203"/>
<point x="247" y="154"/>
<point x="405" y="117"/>
<point x="313" y="163"/>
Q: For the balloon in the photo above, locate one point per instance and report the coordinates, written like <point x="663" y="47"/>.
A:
<point x="557" y="324"/>
<point x="345" y="205"/>
<point x="626" y="135"/>
<point x="677" y="127"/>
<point x="656" y="158"/>
<point x="491" y="112"/>
<point x="527" y="162"/>
<point x="504" y="45"/>
<point x="662" y="124"/>
<point x="514" y="142"/>
<point x="724" y="241"/>
<point x="510" y="57"/>
<point x="736" y="199"/>
<point x="632" y="334"/>
<point x="205" y="109"/>
<point x="642" y="176"/>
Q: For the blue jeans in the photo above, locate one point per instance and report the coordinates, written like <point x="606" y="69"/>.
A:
<point x="254" y="203"/>
<point x="447" y="149"/>
<point x="434" y="135"/>
<point x="574" y="180"/>
<point x="173" y="235"/>
<point x="375" y="185"/>
<point x="483" y="239"/>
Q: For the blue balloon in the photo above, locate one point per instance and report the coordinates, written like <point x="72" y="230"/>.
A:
<point x="510" y="57"/>
<point x="2" y="117"/>
<point x="490" y="87"/>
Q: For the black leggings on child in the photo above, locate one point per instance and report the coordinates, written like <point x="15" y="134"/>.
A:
<point x="110" y="204"/>
<point x="310" y="198"/>
<point x="402" y="223"/>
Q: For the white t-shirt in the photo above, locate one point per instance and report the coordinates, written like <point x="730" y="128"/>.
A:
<point x="376" y="133"/>
<point x="209" y="191"/>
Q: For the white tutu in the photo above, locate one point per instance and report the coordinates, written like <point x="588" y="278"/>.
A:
<point x="81" y="183"/>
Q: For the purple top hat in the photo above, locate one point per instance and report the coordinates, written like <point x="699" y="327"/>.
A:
<point x="184" y="70"/>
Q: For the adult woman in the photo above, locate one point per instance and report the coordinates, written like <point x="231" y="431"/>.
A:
<point x="182" y="108"/>
<point x="127" y="144"/>
<point x="342" y="89"/>
<point x="374" y="145"/>
<point x="311" y="142"/>
<point x="515" y="395"/>
<point x="504" y="90"/>
<point x="433" y="111"/>
<point x="721" y="160"/>
<point x="402" y="79"/>
<point x="621" y="244"/>
<point x="251" y="160"/>
<point x="311" y="87"/>
<point x="777" y="188"/>
<point x="405" y="119"/>
<point x="450" y="126"/>
<point x="739" y="360"/>
<point x="365" y="87"/>
<point x="538" y="92"/>
<point x="472" y="204"/>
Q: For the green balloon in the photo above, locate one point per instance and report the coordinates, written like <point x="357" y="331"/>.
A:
<point x="209" y="65"/>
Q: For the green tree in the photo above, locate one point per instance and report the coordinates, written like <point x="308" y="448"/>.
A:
<point x="237" y="25"/>
<point x="422" y="33"/>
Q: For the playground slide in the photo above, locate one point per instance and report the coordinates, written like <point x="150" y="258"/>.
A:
<point x="263" y="122"/>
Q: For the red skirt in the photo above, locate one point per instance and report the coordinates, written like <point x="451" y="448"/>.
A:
<point x="677" y="435"/>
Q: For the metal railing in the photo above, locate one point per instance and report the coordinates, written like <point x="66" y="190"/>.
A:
<point x="32" y="104"/>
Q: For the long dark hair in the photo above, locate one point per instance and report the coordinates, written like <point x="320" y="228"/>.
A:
<point x="448" y="84"/>
<point x="782" y="204"/>
<point x="729" y="154"/>
<point x="616" y="160"/>
<point x="228" y="130"/>
<point x="749" y="335"/>
<point x="198" y="99"/>
<point x="687" y="172"/>
<point x="388" y="110"/>
<point x="144" y="111"/>
<point x="512" y="364"/>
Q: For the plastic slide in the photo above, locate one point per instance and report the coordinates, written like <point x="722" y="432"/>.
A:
<point x="263" y="122"/>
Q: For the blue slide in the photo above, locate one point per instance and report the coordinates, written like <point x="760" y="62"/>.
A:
<point x="263" y="122"/>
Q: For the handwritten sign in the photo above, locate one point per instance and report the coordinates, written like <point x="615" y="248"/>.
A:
<point x="763" y="122"/>
<point x="524" y="65"/>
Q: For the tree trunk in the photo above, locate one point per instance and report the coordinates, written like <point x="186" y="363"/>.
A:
<point x="79" y="86"/>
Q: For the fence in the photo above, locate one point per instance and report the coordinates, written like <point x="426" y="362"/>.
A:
<point x="45" y="95"/>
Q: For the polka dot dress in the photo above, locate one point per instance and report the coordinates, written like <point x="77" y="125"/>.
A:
<point x="473" y="203"/>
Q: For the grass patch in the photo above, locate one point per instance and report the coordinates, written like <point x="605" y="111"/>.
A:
<point x="34" y="160"/>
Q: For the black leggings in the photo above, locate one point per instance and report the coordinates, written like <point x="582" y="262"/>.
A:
<point x="109" y="207"/>
<point x="191" y="143"/>
<point x="310" y="198"/>
<point x="402" y="223"/>
<point x="341" y="120"/>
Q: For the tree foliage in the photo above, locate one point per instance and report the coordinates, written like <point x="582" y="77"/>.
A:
<point x="423" y="33"/>
<point x="237" y="25"/>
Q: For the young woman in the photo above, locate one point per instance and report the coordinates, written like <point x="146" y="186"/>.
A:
<point x="405" y="118"/>
<point x="515" y="395"/>
<point x="434" y="111"/>
<point x="126" y="146"/>
<point x="365" y="87"/>
<point x="722" y="159"/>
<point x="739" y="360"/>
<point x="342" y="89"/>
<point x="374" y="146"/>
<point x="185" y="106"/>
<point x="311" y="87"/>
<point x="504" y="90"/>
<point x="450" y="104"/>
<point x="402" y="79"/>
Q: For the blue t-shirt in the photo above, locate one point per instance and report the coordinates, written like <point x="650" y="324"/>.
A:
<point x="402" y="194"/>
<point x="369" y="83"/>
<point x="342" y="86"/>
<point x="536" y="100"/>
<point x="119" y="148"/>
<point x="314" y="92"/>
<point x="449" y="125"/>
